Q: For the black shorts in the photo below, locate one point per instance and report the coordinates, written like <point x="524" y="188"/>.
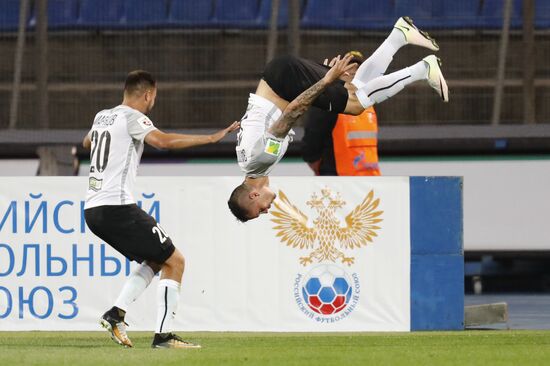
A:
<point x="289" y="76"/>
<point x="131" y="231"/>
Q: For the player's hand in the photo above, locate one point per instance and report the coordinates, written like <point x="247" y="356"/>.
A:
<point x="233" y="126"/>
<point x="341" y="67"/>
<point x="221" y="133"/>
<point x="332" y="62"/>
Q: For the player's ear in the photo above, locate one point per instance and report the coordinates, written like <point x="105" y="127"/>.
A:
<point x="148" y="95"/>
<point x="253" y="194"/>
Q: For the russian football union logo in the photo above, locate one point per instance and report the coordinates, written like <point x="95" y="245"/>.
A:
<point x="327" y="289"/>
<point x="327" y="292"/>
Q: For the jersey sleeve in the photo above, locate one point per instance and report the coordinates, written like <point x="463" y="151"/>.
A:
<point x="139" y="125"/>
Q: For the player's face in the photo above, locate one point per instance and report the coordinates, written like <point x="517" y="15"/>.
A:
<point x="262" y="203"/>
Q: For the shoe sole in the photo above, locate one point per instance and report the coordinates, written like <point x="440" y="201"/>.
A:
<point x="424" y="34"/>
<point x="108" y="327"/>
<point x="444" y="89"/>
<point x="186" y="347"/>
<point x="159" y="346"/>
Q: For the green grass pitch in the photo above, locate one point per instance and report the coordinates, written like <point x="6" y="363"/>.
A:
<point x="486" y="348"/>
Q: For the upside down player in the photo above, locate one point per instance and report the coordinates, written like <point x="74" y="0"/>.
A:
<point x="116" y="140"/>
<point x="266" y="126"/>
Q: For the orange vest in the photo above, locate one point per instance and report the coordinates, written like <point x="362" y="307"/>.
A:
<point x="356" y="144"/>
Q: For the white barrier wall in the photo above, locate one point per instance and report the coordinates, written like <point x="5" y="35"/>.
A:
<point x="505" y="200"/>
<point x="56" y="275"/>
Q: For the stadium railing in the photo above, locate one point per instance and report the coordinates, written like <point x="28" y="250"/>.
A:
<point x="184" y="43"/>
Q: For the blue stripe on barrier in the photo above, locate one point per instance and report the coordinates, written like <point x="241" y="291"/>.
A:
<point x="437" y="261"/>
<point x="436" y="215"/>
<point x="437" y="292"/>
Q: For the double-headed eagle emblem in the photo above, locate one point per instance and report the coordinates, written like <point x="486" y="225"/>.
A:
<point x="293" y="230"/>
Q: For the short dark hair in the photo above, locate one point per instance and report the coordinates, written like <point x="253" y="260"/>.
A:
<point x="138" y="81"/>
<point x="234" y="202"/>
<point x="357" y="58"/>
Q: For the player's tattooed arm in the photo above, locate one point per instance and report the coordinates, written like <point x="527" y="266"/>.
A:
<point x="298" y="106"/>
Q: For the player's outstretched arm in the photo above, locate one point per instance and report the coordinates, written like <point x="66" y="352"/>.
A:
<point x="174" y="141"/>
<point x="298" y="106"/>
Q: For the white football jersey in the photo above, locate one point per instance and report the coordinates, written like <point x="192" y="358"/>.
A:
<point x="257" y="150"/>
<point x="117" y="144"/>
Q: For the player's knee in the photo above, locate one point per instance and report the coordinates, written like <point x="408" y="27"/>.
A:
<point x="179" y="259"/>
<point x="354" y="109"/>
<point x="354" y="106"/>
<point x="155" y="267"/>
<point x="176" y="261"/>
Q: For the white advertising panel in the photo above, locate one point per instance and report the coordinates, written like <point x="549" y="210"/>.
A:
<point x="505" y="201"/>
<point x="333" y="254"/>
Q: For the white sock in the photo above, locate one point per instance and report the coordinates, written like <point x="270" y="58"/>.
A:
<point x="419" y="71"/>
<point x="378" y="62"/>
<point x="168" y="294"/>
<point x="386" y="86"/>
<point x="134" y="286"/>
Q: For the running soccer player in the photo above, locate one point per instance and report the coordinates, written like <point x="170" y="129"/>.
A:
<point x="266" y="126"/>
<point x="116" y="140"/>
